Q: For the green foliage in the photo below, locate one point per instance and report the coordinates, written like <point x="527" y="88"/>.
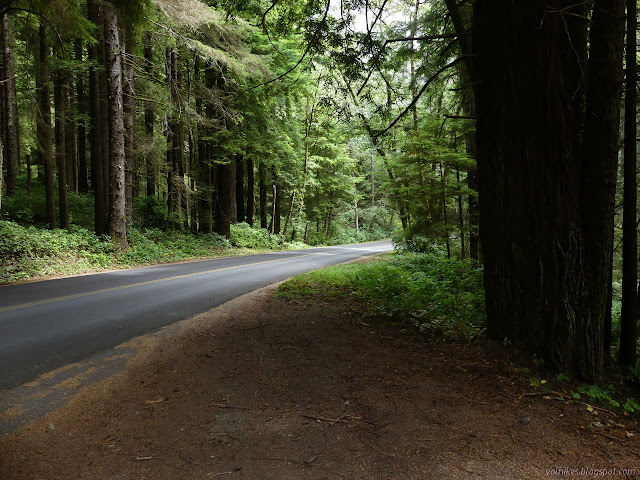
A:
<point x="27" y="252"/>
<point x="157" y="246"/>
<point x="244" y="235"/>
<point x="150" y="212"/>
<point x="426" y="290"/>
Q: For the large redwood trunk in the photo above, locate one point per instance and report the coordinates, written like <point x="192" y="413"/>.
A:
<point x="542" y="288"/>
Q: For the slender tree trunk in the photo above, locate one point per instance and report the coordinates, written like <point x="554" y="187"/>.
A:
<point x="59" y="101"/>
<point x="171" y="164"/>
<point x="251" y="205"/>
<point x="45" y="147"/>
<point x="96" y="139"/>
<point x="12" y="150"/>
<point x="117" y="223"/>
<point x="355" y="207"/>
<point x="128" y="107"/>
<point x="443" y="181"/>
<point x="83" y="181"/>
<point x="461" y="219"/>
<point x="277" y="202"/>
<point x="149" y="119"/>
<point x="262" y="179"/>
<point x="70" y="135"/>
<point x="104" y="116"/>
<point x="629" y="316"/>
<point x="29" y="179"/>
<point x="288" y="219"/>
<point x="274" y="208"/>
<point x="469" y="109"/>
<point x="240" y="188"/>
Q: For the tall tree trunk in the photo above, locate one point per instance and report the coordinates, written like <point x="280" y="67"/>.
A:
<point x="226" y="183"/>
<point x="96" y="139"/>
<point x="599" y="170"/>
<point x="469" y="109"/>
<point x="128" y="108"/>
<point x="60" y="104"/>
<point x="45" y="147"/>
<point x="70" y="135"/>
<point x="104" y="117"/>
<point x="240" y="188"/>
<point x="443" y="198"/>
<point x="629" y="316"/>
<point x="117" y="224"/>
<point x="290" y="213"/>
<point x="262" y="179"/>
<point x="83" y="181"/>
<point x="538" y="251"/>
<point x="12" y="150"/>
<point x="251" y="205"/>
<point x="149" y="119"/>
<point x="277" y="201"/>
<point x="461" y="219"/>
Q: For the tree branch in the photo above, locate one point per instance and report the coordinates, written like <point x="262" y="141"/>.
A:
<point x="422" y="90"/>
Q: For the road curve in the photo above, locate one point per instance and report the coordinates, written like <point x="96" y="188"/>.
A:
<point x="48" y="324"/>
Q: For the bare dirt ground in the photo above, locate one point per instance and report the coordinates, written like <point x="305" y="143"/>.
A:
<point x="267" y="388"/>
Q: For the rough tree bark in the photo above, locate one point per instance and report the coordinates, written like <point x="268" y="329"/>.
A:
<point x="117" y="223"/>
<point x="540" y="277"/>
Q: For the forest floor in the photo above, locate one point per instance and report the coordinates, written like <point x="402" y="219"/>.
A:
<point x="268" y="388"/>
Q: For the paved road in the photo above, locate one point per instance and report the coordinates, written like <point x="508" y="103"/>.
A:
<point x="49" y="324"/>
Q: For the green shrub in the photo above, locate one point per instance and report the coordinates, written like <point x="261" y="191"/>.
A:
<point x="27" y="252"/>
<point x="426" y="290"/>
<point x="244" y="235"/>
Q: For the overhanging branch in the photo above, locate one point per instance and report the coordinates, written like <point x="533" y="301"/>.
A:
<point x="417" y="97"/>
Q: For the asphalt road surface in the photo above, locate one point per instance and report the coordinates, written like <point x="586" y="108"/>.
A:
<point x="48" y="324"/>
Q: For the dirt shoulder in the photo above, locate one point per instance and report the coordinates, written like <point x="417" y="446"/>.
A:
<point x="266" y="388"/>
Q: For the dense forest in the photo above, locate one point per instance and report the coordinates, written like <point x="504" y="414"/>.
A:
<point x="491" y="129"/>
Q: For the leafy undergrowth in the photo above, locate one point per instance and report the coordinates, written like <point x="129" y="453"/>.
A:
<point x="29" y="252"/>
<point x="426" y="290"/>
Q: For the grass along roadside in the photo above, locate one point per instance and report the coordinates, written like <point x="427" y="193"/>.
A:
<point x="426" y="290"/>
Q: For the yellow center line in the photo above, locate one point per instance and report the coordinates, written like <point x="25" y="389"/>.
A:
<point x="140" y="284"/>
